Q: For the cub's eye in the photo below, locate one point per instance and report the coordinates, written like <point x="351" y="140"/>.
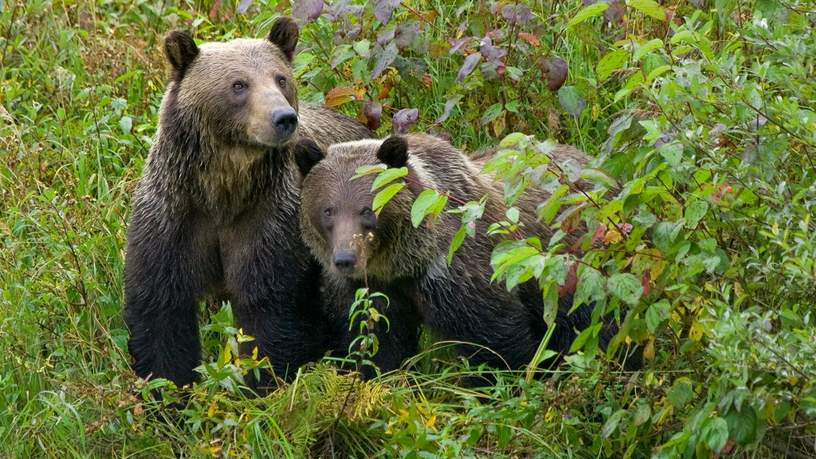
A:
<point x="282" y="81"/>
<point x="367" y="212"/>
<point x="328" y="211"/>
<point x="239" y="85"/>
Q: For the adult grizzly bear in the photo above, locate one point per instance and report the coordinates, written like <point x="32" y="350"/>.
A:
<point x="216" y="209"/>
<point x="385" y="252"/>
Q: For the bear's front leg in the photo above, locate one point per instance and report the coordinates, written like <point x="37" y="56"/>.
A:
<point x="164" y="271"/>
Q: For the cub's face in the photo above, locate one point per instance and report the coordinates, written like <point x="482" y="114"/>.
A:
<point x="241" y="91"/>
<point x="337" y="218"/>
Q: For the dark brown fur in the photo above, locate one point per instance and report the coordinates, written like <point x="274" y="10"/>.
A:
<point x="216" y="209"/>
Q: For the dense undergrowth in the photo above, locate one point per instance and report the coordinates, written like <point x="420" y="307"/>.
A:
<point x="703" y="112"/>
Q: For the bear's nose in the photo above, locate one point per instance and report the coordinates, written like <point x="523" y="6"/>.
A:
<point x="285" y="121"/>
<point x="345" y="260"/>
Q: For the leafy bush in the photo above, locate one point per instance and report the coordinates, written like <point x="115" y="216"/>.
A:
<point x="695" y="222"/>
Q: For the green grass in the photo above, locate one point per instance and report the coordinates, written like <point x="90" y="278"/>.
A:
<point x="81" y="85"/>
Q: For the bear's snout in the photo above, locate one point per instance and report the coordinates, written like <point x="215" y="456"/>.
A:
<point x="345" y="261"/>
<point x="284" y="121"/>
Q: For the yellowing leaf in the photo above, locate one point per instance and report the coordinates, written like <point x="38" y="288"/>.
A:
<point x="696" y="331"/>
<point x="340" y="95"/>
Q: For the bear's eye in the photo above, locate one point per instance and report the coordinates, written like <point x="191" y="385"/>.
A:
<point x="367" y="212"/>
<point x="328" y="211"/>
<point x="239" y="86"/>
<point x="281" y="81"/>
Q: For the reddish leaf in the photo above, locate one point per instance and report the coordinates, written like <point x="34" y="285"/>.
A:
<point x="645" y="281"/>
<point x="599" y="234"/>
<point x="569" y="284"/>
<point x="340" y="95"/>
<point x="517" y="14"/>
<point x="459" y="44"/>
<point x="384" y="8"/>
<point x="530" y="38"/>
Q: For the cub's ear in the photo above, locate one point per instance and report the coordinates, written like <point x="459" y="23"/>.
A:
<point x="307" y="154"/>
<point x="284" y="35"/>
<point x="180" y="49"/>
<point x="393" y="151"/>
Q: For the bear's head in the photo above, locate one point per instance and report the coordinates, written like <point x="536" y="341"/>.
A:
<point x="338" y="222"/>
<point x="240" y="92"/>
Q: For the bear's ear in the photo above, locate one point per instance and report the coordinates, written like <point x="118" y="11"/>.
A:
<point x="180" y="49"/>
<point x="393" y="151"/>
<point x="307" y="154"/>
<point x="284" y="35"/>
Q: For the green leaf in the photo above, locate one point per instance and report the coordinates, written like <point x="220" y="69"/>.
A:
<point x="491" y="113"/>
<point x="626" y="287"/>
<point x="427" y="203"/>
<point x="695" y="212"/>
<point x="610" y="62"/>
<point x="571" y="100"/>
<point x="385" y="195"/>
<point x="590" y="287"/>
<point x="584" y="336"/>
<point x="512" y="214"/>
<point x="672" y="153"/>
<point x="362" y="47"/>
<point x="649" y="8"/>
<point x="680" y="392"/>
<point x="612" y="423"/>
<point x="644" y="411"/>
<point x="125" y="124"/>
<point x="647" y="48"/>
<point x="367" y="170"/>
<point x="588" y="12"/>
<point x="656" y="314"/>
<point x="387" y="176"/>
<point x="549" y="209"/>
<point x="598" y="176"/>
<point x="458" y="238"/>
<point x="714" y="433"/>
<point x="512" y="139"/>
<point x="742" y="425"/>
<point x="657" y="72"/>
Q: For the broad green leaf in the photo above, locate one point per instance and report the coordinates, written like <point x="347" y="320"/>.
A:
<point x="598" y="176"/>
<point x="611" y="424"/>
<point x="742" y="425"/>
<point x="644" y="411"/>
<point x="362" y="47"/>
<point x="512" y="214"/>
<point x="647" y="47"/>
<point x="458" y="238"/>
<point x="588" y="12"/>
<point x="125" y="124"/>
<point x="571" y="100"/>
<point x="491" y="113"/>
<point x="590" y="287"/>
<point x="714" y="433"/>
<point x="367" y="170"/>
<point x="512" y="139"/>
<point x="626" y="287"/>
<point x="585" y="336"/>
<point x="549" y="209"/>
<point x="656" y="314"/>
<point x="657" y="72"/>
<point x="385" y="195"/>
<point x="612" y="61"/>
<point x="426" y="204"/>
<point x="649" y="8"/>
<point x="387" y="176"/>
<point x="681" y="392"/>
<point x="695" y="212"/>
<point x="672" y="152"/>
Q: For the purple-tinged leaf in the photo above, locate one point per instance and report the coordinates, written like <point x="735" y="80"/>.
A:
<point x="385" y="35"/>
<point x="307" y="10"/>
<point x="384" y="8"/>
<point x="243" y="6"/>
<point x="404" y="119"/>
<point x="449" y="104"/>
<point x="614" y="13"/>
<point x="468" y="66"/>
<point x="555" y="72"/>
<point x="406" y="33"/>
<point x="342" y="7"/>
<point x="517" y="14"/>
<point x="385" y="58"/>
<point x="492" y="53"/>
<point x="373" y="113"/>
<point x="458" y="43"/>
<point x="491" y="70"/>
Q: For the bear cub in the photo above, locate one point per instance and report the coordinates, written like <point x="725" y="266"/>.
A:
<point x="215" y="213"/>
<point x="385" y="252"/>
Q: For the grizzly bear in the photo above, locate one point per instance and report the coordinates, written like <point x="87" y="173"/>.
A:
<point x="386" y="253"/>
<point x="215" y="213"/>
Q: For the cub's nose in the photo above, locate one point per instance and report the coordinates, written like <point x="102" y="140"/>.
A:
<point x="345" y="261"/>
<point x="285" y="121"/>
